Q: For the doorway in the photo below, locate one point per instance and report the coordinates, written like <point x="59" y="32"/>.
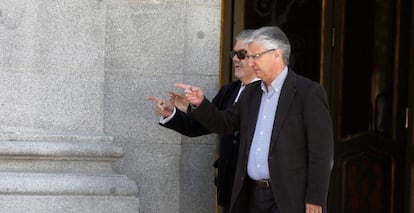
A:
<point x="360" y="52"/>
<point x="303" y="31"/>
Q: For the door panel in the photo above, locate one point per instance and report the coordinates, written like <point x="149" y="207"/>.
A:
<point x="409" y="121"/>
<point x="366" y="168"/>
<point x="369" y="156"/>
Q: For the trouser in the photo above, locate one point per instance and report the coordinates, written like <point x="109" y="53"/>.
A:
<point x="261" y="198"/>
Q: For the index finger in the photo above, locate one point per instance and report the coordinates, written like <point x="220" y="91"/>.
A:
<point x="182" y="86"/>
<point x="154" y="98"/>
<point x="174" y="93"/>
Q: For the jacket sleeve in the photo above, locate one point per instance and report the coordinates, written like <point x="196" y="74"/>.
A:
<point x="184" y="124"/>
<point x="320" y="145"/>
<point x="215" y="120"/>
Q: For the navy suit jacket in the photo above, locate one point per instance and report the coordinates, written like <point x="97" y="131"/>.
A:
<point x="228" y="146"/>
<point x="301" y="149"/>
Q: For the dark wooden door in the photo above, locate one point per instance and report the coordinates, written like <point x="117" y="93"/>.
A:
<point x="369" y="100"/>
<point x="363" y="54"/>
<point x="408" y="64"/>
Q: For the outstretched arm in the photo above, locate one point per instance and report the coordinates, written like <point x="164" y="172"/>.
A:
<point x="178" y="120"/>
<point x="207" y="114"/>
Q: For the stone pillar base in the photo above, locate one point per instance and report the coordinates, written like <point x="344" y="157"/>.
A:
<point x="63" y="173"/>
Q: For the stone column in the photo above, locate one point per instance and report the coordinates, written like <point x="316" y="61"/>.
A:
<point x="54" y="154"/>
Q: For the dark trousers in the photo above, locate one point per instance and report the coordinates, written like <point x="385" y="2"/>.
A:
<point x="261" y="200"/>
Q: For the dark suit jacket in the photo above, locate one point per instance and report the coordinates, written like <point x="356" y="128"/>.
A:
<point x="301" y="149"/>
<point x="228" y="146"/>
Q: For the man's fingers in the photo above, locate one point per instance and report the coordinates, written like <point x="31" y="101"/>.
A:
<point x="153" y="98"/>
<point x="186" y="87"/>
<point x="174" y="93"/>
<point x="181" y="86"/>
<point x="195" y="89"/>
<point x="156" y="99"/>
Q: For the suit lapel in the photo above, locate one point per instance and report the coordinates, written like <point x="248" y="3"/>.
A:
<point x="233" y="95"/>
<point x="285" y="99"/>
<point x="254" y="103"/>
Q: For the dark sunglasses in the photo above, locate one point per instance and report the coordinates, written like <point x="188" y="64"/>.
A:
<point x="241" y="54"/>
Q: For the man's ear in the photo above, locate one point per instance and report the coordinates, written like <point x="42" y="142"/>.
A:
<point x="276" y="54"/>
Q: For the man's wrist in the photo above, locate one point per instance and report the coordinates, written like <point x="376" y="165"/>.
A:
<point x="168" y="118"/>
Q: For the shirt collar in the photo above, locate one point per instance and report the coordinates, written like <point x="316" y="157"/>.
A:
<point x="255" y="79"/>
<point x="278" y="81"/>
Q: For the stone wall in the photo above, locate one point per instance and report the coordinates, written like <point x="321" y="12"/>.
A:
<point x="150" y="45"/>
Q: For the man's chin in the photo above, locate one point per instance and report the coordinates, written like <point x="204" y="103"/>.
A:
<point x="258" y="74"/>
<point x="237" y="72"/>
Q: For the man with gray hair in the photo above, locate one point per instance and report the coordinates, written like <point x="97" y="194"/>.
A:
<point x="176" y="118"/>
<point x="286" y="135"/>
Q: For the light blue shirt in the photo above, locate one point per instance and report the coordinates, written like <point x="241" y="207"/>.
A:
<point x="257" y="166"/>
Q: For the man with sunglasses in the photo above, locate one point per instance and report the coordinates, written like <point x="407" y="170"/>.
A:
<point x="286" y="135"/>
<point x="174" y="118"/>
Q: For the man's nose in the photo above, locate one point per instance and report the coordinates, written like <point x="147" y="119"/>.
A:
<point x="250" y="62"/>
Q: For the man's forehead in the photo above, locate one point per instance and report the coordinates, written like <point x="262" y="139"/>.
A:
<point x="253" y="46"/>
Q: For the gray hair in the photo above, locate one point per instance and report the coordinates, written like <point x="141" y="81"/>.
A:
<point x="244" y="34"/>
<point x="272" y="37"/>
